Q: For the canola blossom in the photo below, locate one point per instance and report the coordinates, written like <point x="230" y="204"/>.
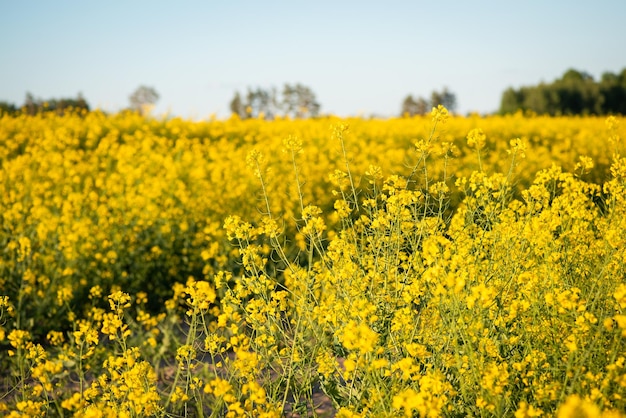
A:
<point x="428" y="266"/>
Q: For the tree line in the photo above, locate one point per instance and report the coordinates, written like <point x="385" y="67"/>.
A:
<point x="575" y="93"/>
<point x="33" y="105"/>
<point x="296" y="101"/>
<point x="420" y="106"/>
<point x="141" y="100"/>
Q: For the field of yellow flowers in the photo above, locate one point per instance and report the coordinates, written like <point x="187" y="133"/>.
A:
<point x="427" y="266"/>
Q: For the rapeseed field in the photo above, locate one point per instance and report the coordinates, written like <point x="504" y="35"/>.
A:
<point x="427" y="266"/>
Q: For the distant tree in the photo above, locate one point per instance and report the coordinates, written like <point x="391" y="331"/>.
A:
<point x="408" y="106"/>
<point x="63" y="104"/>
<point x="511" y="101"/>
<point x="259" y="102"/>
<point x="412" y="107"/>
<point x="7" y="108"/>
<point x="613" y="92"/>
<point x="575" y="93"/>
<point x="143" y="99"/>
<point x="537" y="99"/>
<point x="237" y="106"/>
<point x="33" y="106"/>
<point x="290" y="99"/>
<point x="420" y="106"/>
<point x="297" y="101"/>
<point x="445" y="98"/>
<point x="274" y="105"/>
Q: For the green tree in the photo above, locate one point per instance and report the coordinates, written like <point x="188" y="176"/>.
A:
<point x="537" y="99"/>
<point x="512" y="100"/>
<point x="613" y="92"/>
<point x="575" y="93"/>
<point x="33" y="106"/>
<point x="8" y="108"/>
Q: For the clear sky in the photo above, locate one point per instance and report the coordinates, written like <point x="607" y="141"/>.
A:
<point x="359" y="57"/>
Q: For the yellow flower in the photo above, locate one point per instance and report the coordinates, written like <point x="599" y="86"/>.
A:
<point x="524" y="410"/>
<point x="29" y="408"/>
<point x="74" y="402"/>
<point x="19" y="338"/>
<point x="481" y="295"/>
<point x="375" y="173"/>
<point x="293" y="144"/>
<point x="495" y="378"/>
<point x="201" y="294"/>
<point x="429" y="401"/>
<point x="575" y="407"/>
<point x="246" y="362"/>
<point x="179" y="395"/>
<point x="218" y="386"/>
<point x="95" y="292"/>
<point x="584" y="165"/>
<point x="111" y="323"/>
<point x="185" y="353"/>
<point x="439" y="114"/>
<point x="611" y="123"/>
<point x="379" y="363"/>
<point x="64" y="294"/>
<point x="6" y="304"/>
<point x="311" y="212"/>
<point x="345" y="412"/>
<point x="256" y="393"/>
<point x="254" y="160"/>
<point x="84" y="334"/>
<point x="620" y="295"/>
<point x="359" y="337"/>
<point x="343" y="208"/>
<point x="476" y="139"/>
<point x="408" y="367"/>
<point x="326" y="363"/>
<point x="518" y="148"/>
<point x="119" y="300"/>
<point x="141" y="298"/>
<point x="24" y="248"/>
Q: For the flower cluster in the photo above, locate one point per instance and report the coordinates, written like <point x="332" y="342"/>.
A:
<point x="454" y="266"/>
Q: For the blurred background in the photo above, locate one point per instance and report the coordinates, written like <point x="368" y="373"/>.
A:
<point x="350" y="58"/>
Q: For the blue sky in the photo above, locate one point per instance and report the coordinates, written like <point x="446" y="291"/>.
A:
<point x="359" y="57"/>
